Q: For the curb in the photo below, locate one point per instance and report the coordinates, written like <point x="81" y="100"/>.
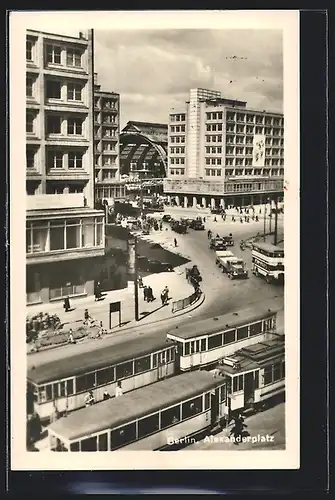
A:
<point x="187" y="310"/>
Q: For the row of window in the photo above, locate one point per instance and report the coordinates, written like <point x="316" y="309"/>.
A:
<point x="261" y="186"/>
<point x="177" y="118"/>
<point x="103" y="103"/>
<point x="63" y="235"/>
<point x="213" y="172"/>
<point x="57" y="124"/>
<point x="177" y="161"/>
<point x="141" y="428"/>
<point x="274" y="373"/>
<point x="56" y="188"/>
<point x="105" y="119"/>
<point x="268" y="162"/>
<point x="214" y="150"/>
<point x="250" y="130"/>
<point x="214" y="138"/>
<point x="106" y="132"/>
<point x="177" y="150"/>
<point x="214" y="116"/>
<point x="248" y="140"/>
<point x="110" y="192"/>
<point x="254" y="171"/>
<point x="219" y="339"/>
<point x="57" y="159"/>
<point x="104" y="376"/>
<point x="279" y="254"/>
<point x="267" y="266"/>
<point x="177" y="128"/>
<point x="238" y="381"/>
<point x="213" y="161"/>
<point x="214" y="127"/>
<point x="177" y="139"/>
<point x="177" y="171"/>
<point x="250" y="118"/>
<point x="56" y="89"/>
<point x="56" y="54"/>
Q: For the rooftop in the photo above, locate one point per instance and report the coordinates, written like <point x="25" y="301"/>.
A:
<point x="221" y="323"/>
<point x="98" y="358"/>
<point x="268" y="247"/>
<point x="135" y="404"/>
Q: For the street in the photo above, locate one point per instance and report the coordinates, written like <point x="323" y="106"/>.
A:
<point x="221" y="294"/>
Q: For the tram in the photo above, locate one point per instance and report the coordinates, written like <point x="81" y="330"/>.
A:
<point x="205" y="342"/>
<point x="60" y="387"/>
<point x="268" y="262"/>
<point x="156" y="417"/>
<point x="254" y="375"/>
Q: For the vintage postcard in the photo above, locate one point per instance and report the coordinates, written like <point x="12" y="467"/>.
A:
<point x="159" y="279"/>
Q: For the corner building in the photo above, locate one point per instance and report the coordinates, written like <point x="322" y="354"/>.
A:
<point x="63" y="231"/>
<point x="222" y="153"/>
<point x="106" y="143"/>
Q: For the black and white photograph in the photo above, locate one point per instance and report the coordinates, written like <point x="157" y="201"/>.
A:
<point x="159" y="280"/>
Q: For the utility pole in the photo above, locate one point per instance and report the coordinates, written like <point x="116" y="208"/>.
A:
<point x="276" y="222"/>
<point x="270" y="216"/>
<point x="264" y="220"/>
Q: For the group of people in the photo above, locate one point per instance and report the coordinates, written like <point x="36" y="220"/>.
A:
<point x="90" y="399"/>
<point x="148" y="294"/>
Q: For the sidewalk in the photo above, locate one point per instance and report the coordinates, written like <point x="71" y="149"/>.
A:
<point x="99" y="310"/>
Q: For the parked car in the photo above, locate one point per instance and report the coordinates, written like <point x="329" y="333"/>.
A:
<point x="217" y="244"/>
<point x="179" y="228"/>
<point x="166" y="218"/>
<point x="153" y="266"/>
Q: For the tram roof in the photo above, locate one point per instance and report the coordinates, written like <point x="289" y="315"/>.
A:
<point x="220" y="323"/>
<point x="96" y="358"/>
<point x="135" y="404"/>
<point x="268" y="247"/>
<point x="256" y="356"/>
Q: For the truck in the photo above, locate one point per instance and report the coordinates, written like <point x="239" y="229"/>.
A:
<point x="234" y="267"/>
<point x="222" y="254"/>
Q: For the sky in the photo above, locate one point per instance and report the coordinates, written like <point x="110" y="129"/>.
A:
<point x="153" y="70"/>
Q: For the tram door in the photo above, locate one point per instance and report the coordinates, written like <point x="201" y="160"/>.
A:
<point x="215" y="402"/>
<point x="249" y="389"/>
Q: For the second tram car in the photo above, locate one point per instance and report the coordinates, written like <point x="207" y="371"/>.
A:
<point x="205" y="342"/>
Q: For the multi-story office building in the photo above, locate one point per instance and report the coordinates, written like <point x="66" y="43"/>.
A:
<point x="222" y="153"/>
<point x="63" y="231"/>
<point x="106" y="143"/>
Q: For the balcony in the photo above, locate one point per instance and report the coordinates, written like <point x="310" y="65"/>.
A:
<point x="62" y="174"/>
<point x="109" y="124"/>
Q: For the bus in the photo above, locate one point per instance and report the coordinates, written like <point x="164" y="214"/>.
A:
<point x="254" y="375"/>
<point x="203" y="343"/>
<point x="158" y="417"/>
<point x="60" y="386"/>
<point x="268" y="261"/>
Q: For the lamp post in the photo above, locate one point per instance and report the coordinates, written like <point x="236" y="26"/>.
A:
<point x="276" y="222"/>
<point x="264" y="221"/>
<point x="270" y="216"/>
<point x="133" y="271"/>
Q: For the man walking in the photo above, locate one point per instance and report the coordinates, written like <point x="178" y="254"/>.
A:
<point x="175" y="242"/>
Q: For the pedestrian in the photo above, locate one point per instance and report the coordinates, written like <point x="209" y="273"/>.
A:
<point x="256" y="218"/>
<point x="245" y="218"/>
<point x="233" y="218"/>
<point x="97" y="291"/>
<point x="151" y="297"/>
<point x="166" y="291"/>
<point x="145" y="293"/>
<point x="66" y="304"/>
<point x="106" y="395"/>
<point x="102" y="330"/>
<point x="215" y="218"/>
<point x="241" y="220"/>
<point x="260" y="211"/>
<point x="87" y="317"/>
<point x="161" y="226"/>
<point x="140" y="282"/>
<point x="163" y="298"/>
<point x="89" y="399"/>
<point x="209" y="234"/>
<point x="175" y="242"/>
<point x="204" y="219"/>
<point x="71" y="338"/>
<point x="118" y="390"/>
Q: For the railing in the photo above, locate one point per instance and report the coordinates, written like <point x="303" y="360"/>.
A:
<point x="178" y="305"/>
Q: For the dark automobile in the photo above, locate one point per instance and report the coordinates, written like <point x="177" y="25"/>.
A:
<point x="166" y="218"/>
<point x="153" y="266"/>
<point x="228" y="240"/>
<point x="197" y="225"/>
<point x="179" y="228"/>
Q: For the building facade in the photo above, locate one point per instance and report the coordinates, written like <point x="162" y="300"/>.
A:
<point x="106" y="143"/>
<point x="222" y="153"/>
<point x="63" y="231"/>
